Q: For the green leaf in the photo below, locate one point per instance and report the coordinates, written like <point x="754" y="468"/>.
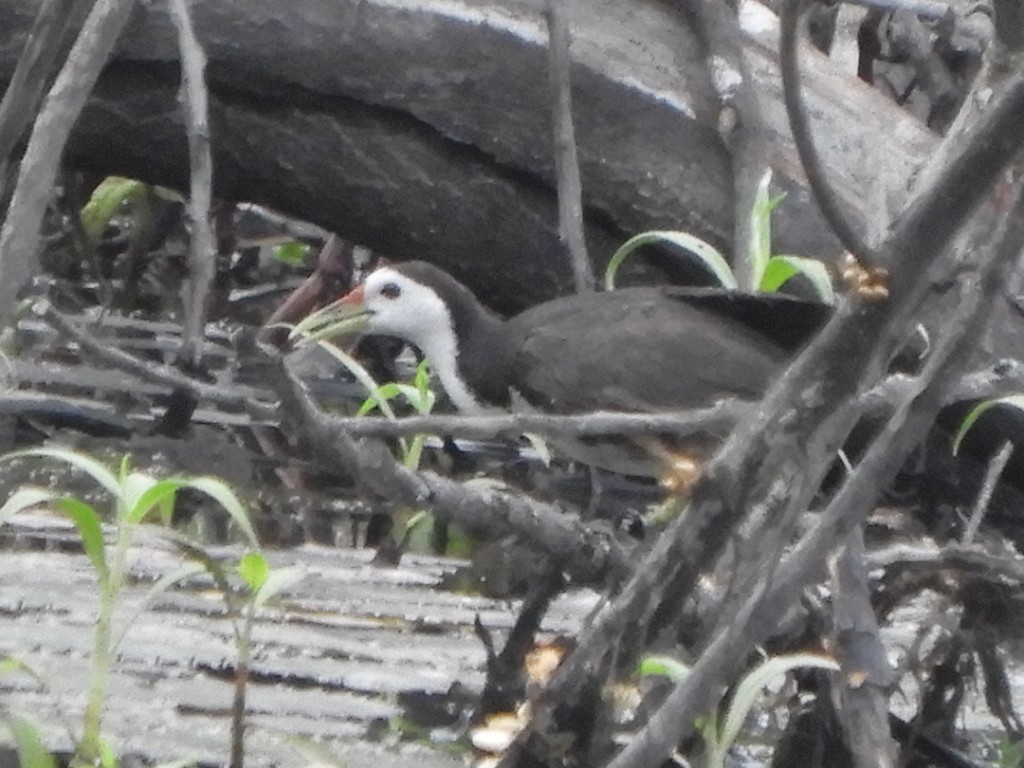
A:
<point x="361" y="374"/>
<point x="1012" y="401"/>
<point x="277" y="581"/>
<point x="779" y="269"/>
<point x="704" y="253"/>
<point x="197" y="554"/>
<point x="749" y="689"/>
<point x="105" y="203"/>
<point x="90" y="530"/>
<point x="95" y="469"/>
<point x="382" y="394"/>
<point x="421" y="380"/>
<point x="663" y="666"/>
<point x="761" y="228"/>
<point x="29" y="743"/>
<point x="254" y="569"/>
<point x="26" y="498"/>
<point x="149" y="494"/>
<point x="221" y="492"/>
<point x="9" y="664"/>
<point x="161" y="585"/>
<point x="108" y="757"/>
<point x="412" y="454"/>
<point x="293" y="254"/>
<point x="136" y="488"/>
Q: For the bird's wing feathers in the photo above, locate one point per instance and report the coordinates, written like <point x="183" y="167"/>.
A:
<point x="701" y="356"/>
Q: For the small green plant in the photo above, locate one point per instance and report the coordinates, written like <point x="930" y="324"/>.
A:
<point x="770" y="272"/>
<point x="262" y="584"/>
<point x="137" y="496"/>
<point x="719" y="736"/>
<point x="705" y="253"/>
<point x="28" y="742"/>
<point x="1009" y="753"/>
<point x="108" y="199"/>
<point x="112" y="196"/>
<point x="293" y="254"/>
<point x="420" y="395"/>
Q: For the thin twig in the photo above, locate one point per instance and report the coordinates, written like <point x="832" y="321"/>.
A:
<point x="860" y="694"/>
<point x="147" y="370"/>
<point x="202" y="263"/>
<point x="814" y="169"/>
<point x="567" y="168"/>
<point x="716" y="419"/>
<point x="19" y="238"/>
<point x="996" y="465"/>
<point x="971" y="560"/>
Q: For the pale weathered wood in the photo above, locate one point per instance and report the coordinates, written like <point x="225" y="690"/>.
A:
<point x="352" y="643"/>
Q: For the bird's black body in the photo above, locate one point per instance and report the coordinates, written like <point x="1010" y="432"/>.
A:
<point x="635" y="349"/>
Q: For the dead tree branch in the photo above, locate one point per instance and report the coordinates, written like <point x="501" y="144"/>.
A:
<point x="19" y="238"/>
<point x="46" y="45"/>
<point x="773" y="462"/>
<point x="567" y="166"/>
<point x="586" y="554"/>
<point x="202" y="264"/>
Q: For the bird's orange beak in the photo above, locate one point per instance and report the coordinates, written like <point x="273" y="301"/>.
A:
<point x="346" y="316"/>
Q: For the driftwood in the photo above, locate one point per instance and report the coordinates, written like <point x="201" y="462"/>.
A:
<point x="424" y="130"/>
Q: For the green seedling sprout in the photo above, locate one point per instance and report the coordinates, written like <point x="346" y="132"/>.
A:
<point x="110" y="197"/>
<point x="28" y="742"/>
<point x="769" y="271"/>
<point x="420" y="395"/>
<point x="293" y="254"/>
<point x="719" y="739"/>
<point x="137" y="496"/>
<point x="772" y="271"/>
<point x="705" y="253"/>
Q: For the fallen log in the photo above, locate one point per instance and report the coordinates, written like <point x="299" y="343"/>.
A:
<point x="422" y="129"/>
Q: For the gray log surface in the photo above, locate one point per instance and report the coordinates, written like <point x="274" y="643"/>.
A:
<point x="421" y="129"/>
<point x="350" y="644"/>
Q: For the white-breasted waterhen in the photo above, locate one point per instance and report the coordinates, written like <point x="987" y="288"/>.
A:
<point x="644" y="349"/>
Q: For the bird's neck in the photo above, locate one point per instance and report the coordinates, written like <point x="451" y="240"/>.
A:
<point x="470" y="360"/>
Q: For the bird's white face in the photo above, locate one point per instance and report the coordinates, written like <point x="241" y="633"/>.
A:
<point x="399" y="306"/>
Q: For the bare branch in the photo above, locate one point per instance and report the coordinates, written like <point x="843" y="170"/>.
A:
<point x="996" y="465"/>
<point x="718" y="419"/>
<point x="567" y="167"/>
<point x="147" y="371"/>
<point x="587" y="554"/>
<point x="202" y="264"/>
<point x="44" y="46"/>
<point x="863" y="706"/>
<point x="19" y="238"/>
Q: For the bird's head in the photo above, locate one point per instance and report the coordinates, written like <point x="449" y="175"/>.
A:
<point x="391" y="302"/>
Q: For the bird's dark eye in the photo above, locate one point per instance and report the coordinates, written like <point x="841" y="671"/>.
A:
<point x="390" y="291"/>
